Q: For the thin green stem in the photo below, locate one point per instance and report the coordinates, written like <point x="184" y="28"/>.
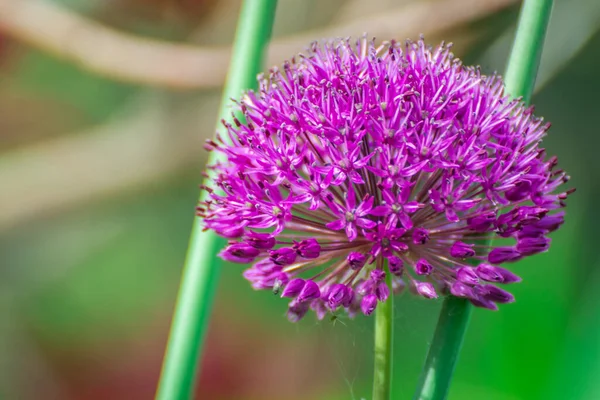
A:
<point x="201" y="269"/>
<point x="384" y="317"/>
<point x="526" y="52"/>
<point x="521" y="72"/>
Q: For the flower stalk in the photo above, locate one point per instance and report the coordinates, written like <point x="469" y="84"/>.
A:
<point x="444" y="349"/>
<point x="520" y="75"/>
<point x="526" y="52"/>
<point x="382" y="370"/>
<point x="201" y="269"/>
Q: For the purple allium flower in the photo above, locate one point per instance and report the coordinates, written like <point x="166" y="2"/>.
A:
<point x="294" y="287"/>
<point x="368" y="304"/>
<point x="361" y="161"/>
<point x="395" y="265"/>
<point x="356" y="260"/>
<point x="462" y="250"/>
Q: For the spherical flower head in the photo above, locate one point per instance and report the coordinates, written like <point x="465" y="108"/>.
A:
<point x="359" y="162"/>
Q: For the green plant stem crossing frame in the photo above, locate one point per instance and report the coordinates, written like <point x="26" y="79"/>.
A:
<point x="201" y="269"/>
<point x="383" y="349"/>
<point x="519" y="79"/>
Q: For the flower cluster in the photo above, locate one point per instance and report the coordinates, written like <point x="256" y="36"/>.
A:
<point x="363" y="169"/>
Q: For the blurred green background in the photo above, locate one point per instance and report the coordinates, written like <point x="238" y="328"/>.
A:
<point x="99" y="170"/>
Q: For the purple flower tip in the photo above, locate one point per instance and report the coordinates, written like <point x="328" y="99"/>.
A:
<point x="310" y="291"/>
<point x="356" y="260"/>
<point x="239" y="253"/>
<point x="320" y="309"/>
<point x="382" y="291"/>
<point x="296" y="311"/>
<point x="495" y="274"/>
<point x="532" y="245"/>
<point x="484" y="303"/>
<point x="462" y="250"/>
<point x="308" y="248"/>
<point x="293" y="288"/>
<point x="395" y="266"/>
<point x="482" y="222"/>
<point x="368" y="304"/>
<point x="501" y="255"/>
<point x="460" y="289"/>
<point x="551" y="223"/>
<point x="493" y="293"/>
<point x="467" y="275"/>
<point x="365" y="287"/>
<point x="283" y="256"/>
<point x="426" y="289"/>
<point x="261" y="241"/>
<point x="377" y="275"/>
<point x="420" y="236"/>
<point x="423" y="267"/>
<point x="339" y="294"/>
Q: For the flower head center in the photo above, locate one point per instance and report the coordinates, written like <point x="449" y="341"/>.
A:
<point x="349" y="216"/>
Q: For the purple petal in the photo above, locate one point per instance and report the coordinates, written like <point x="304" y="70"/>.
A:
<point x="337" y="224"/>
<point x="365" y="223"/>
<point x="377" y="275"/>
<point x="395" y="266"/>
<point x="368" y="304"/>
<point x="423" y="267"/>
<point x="310" y="291"/>
<point x="381" y="211"/>
<point x="356" y="260"/>
<point x="462" y="250"/>
<point x="467" y="275"/>
<point x="459" y="289"/>
<point x="365" y="206"/>
<point x="500" y="255"/>
<point x="297" y="311"/>
<point x="351" y="232"/>
<point x="382" y="291"/>
<point x="495" y="274"/>
<point x="426" y="289"/>
<point x="293" y="288"/>
<point x="350" y="200"/>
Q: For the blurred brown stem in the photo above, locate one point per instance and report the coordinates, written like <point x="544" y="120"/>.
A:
<point x="135" y="59"/>
<point x="145" y="141"/>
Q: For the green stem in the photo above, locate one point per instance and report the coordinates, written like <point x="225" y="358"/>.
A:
<point x="201" y="270"/>
<point x="384" y="317"/>
<point x="443" y="351"/>
<point x="526" y="52"/>
<point x="519" y="79"/>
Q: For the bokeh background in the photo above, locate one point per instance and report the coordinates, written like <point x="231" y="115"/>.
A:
<point x="104" y="106"/>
